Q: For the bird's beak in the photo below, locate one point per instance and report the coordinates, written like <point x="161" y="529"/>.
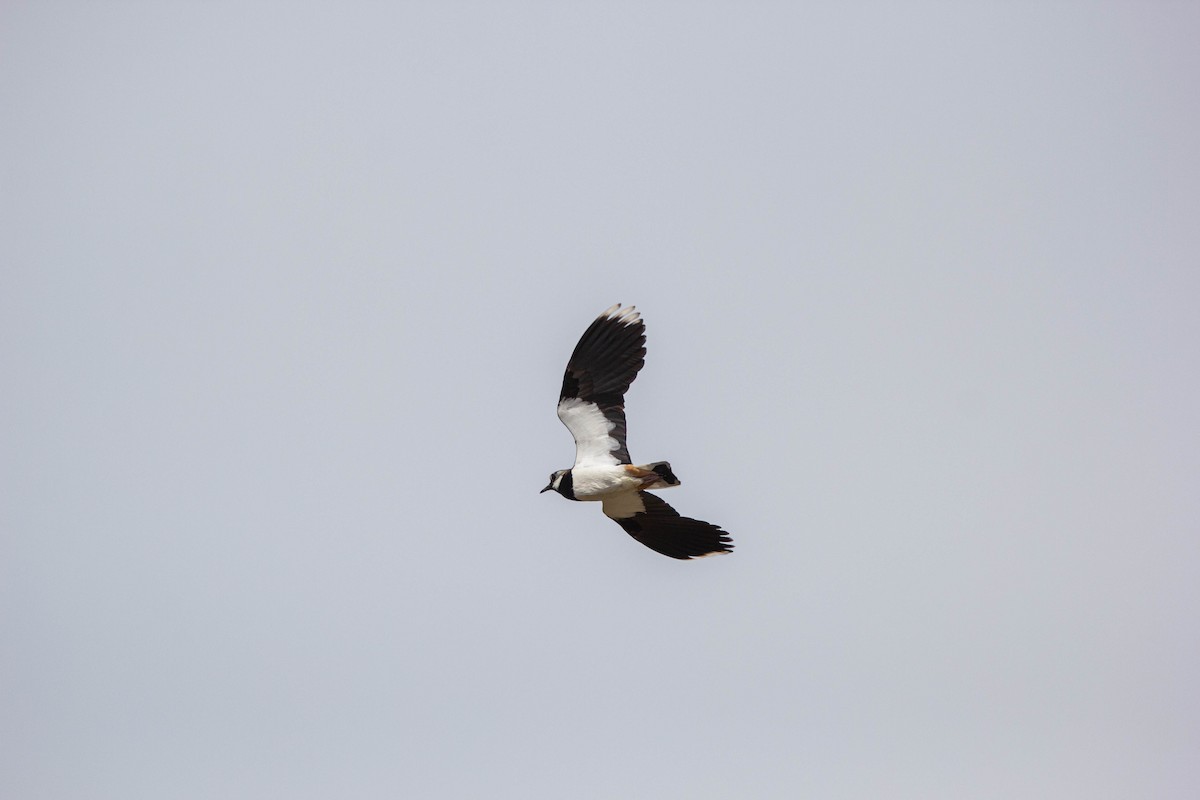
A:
<point x="548" y="488"/>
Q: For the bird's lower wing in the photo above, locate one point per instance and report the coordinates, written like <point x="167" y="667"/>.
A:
<point x="655" y="524"/>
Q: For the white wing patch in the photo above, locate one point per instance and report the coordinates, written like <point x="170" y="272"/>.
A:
<point x="623" y="505"/>
<point x="590" y="428"/>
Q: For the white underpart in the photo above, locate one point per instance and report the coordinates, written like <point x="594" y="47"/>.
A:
<point x="623" y="505"/>
<point x="597" y="482"/>
<point x="590" y="429"/>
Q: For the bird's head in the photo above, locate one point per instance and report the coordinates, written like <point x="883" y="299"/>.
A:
<point x="556" y="481"/>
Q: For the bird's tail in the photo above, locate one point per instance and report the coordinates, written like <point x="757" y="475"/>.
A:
<point x="665" y="477"/>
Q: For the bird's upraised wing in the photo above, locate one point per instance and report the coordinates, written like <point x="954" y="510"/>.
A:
<point x="592" y="401"/>
<point x="655" y="524"/>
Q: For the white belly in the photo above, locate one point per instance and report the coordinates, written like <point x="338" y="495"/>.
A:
<point x="593" y="483"/>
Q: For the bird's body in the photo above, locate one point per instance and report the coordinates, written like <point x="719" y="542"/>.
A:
<point x="599" y="481"/>
<point x="592" y="406"/>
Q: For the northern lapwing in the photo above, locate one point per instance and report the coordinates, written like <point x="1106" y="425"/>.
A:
<point x="592" y="406"/>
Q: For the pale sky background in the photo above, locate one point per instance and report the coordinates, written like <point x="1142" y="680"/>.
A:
<point x="287" y="291"/>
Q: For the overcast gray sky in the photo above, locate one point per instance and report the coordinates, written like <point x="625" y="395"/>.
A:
<point x="286" y="293"/>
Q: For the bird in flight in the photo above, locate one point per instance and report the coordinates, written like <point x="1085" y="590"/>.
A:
<point x="592" y="406"/>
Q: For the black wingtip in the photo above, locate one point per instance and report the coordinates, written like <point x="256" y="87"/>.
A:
<point x="663" y="530"/>
<point x="607" y="357"/>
